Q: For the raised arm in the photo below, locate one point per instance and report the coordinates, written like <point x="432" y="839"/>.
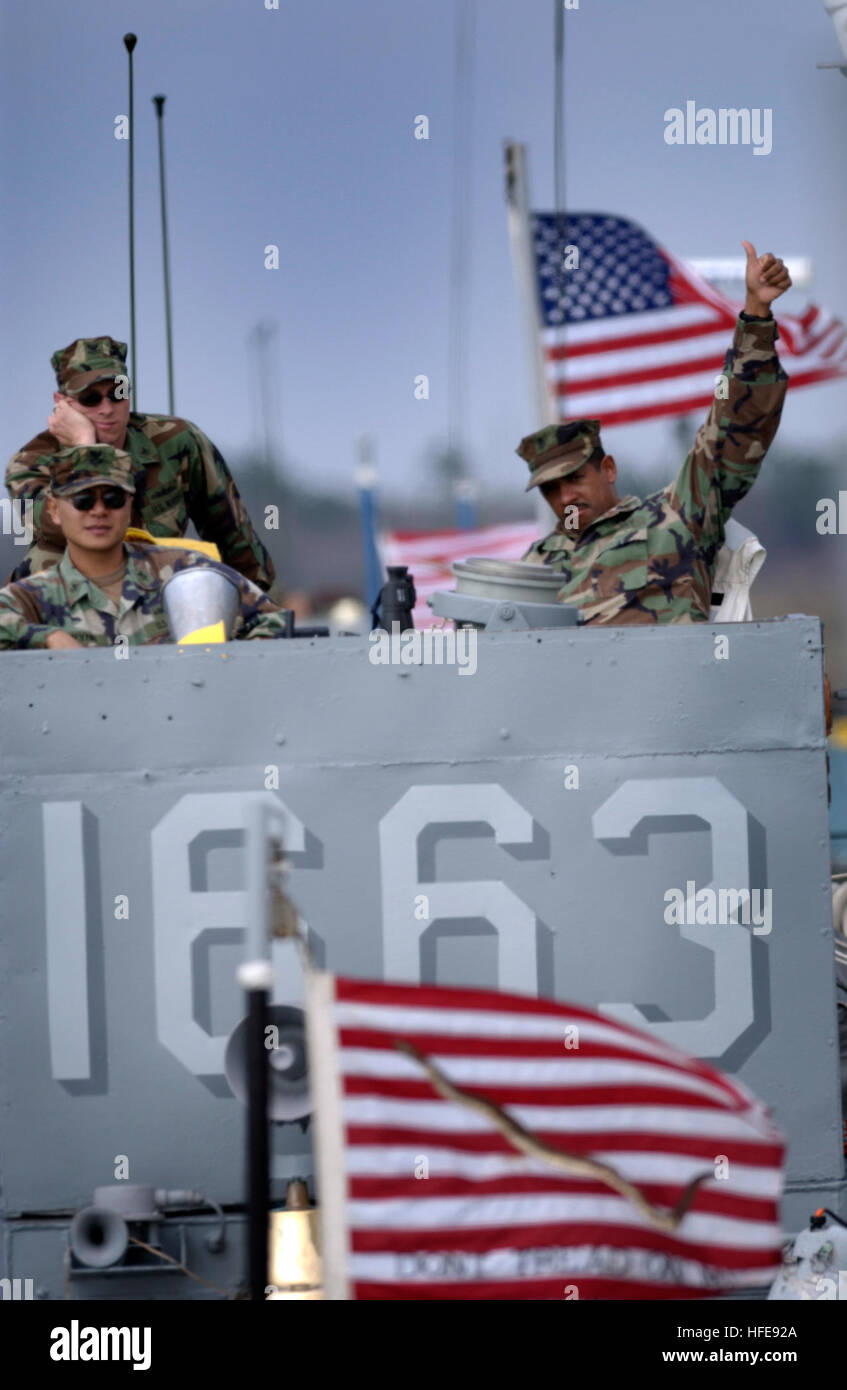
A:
<point x="743" y="419"/>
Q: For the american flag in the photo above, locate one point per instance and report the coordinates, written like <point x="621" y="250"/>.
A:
<point x="423" y="1197"/>
<point x="633" y="333"/>
<point x="430" y="555"/>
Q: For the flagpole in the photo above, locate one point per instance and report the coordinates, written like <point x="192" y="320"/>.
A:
<point x="255" y="975"/>
<point x="523" y="260"/>
<point x="130" y="41"/>
<point x="559" y="174"/>
<point x="465" y="18"/>
<point x="365" y="477"/>
<point x="466" y="492"/>
<point x="558" y="109"/>
<point x="159" y="103"/>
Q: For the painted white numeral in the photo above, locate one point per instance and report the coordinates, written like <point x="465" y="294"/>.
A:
<point x="731" y="944"/>
<point x="514" y="922"/>
<point x="67" y="942"/>
<point x="181" y="915"/>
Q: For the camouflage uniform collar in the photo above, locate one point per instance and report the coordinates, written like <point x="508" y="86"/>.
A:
<point x="626" y="504"/>
<point x="77" y="586"/>
<point x="75" y="583"/>
<point x="622" y="508"/>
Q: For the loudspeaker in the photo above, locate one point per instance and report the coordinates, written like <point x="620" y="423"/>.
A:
<point x="98" y="1237"/>
<point x="288" y="1079"/>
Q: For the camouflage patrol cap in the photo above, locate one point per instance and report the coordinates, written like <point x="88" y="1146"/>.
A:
<point x="91" y="465"/>
<point x="558" y="450"/>
<point x="87" y="360"/>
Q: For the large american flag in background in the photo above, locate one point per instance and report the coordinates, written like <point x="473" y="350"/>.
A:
<point x="424" y="1198"/>
<point x="634" y="334"/>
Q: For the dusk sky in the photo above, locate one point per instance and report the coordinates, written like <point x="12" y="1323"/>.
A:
<point x="296" y="127"/>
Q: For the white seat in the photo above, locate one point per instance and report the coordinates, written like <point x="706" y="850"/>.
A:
<point x="739" y="561"/>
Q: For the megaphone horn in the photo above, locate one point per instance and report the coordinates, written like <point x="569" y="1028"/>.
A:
<point x="201" y="604"/>
<point x="98" y="1237"/>
<point x="288" y="1080"/>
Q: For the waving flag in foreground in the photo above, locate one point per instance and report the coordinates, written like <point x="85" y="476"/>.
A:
<point x="631" y="333"/>
<point x="473" y="1144"/>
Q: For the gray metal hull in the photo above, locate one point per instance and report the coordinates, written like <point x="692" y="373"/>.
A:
<point x="432" y="834"/>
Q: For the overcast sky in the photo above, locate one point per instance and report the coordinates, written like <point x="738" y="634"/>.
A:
<point x="295" y="127"/>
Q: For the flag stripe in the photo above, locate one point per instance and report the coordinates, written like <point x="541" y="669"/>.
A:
<point x="541" y="1078"/>
<point x="396" y="1160"/>
<point x="561" y="1119"/>
<point x="582" y="1141"/>
<point x="556" y="1216"/>
<point x="527" y="1096"/>
<point x="513" y="1234"/>
<point x="711" y="1201"/>
<point x="589" y="1288"/>
<point x="489" y="1029"/>
<point x="629" y="364"/>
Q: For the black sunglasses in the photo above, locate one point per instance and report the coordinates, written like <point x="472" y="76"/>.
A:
<point x="92" y="397"/>
<point x="113" y="497"/>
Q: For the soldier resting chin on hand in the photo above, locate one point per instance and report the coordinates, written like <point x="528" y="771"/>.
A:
<point x="105" y="588"/>
<point x="179" y="476"/>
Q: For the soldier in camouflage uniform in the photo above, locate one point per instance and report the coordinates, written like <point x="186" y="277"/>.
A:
<point x="625" y="561"/>
<point x="179" y="474"/>
<point x="104" y="588"/>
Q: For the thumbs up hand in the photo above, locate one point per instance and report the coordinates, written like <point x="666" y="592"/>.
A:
<point x="766" y="279"/>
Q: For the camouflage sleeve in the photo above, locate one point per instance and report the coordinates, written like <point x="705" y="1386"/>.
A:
<point x="535" y="555"/>
<point x="259" y="616"/>
<point x="27" y="476"/>
<point x="18" y="631"/>
<point x="216" y="508"/>
<point x="736" y="435"/>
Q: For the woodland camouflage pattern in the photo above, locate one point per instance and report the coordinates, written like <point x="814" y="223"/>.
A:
<point x="180" y="477"/>
<point x="652" y="561"/>
<point x="89" y="465"/>
<point x="61" y="597"/>
<point x="558" y="450"/>
<point x="87" y="360"/>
